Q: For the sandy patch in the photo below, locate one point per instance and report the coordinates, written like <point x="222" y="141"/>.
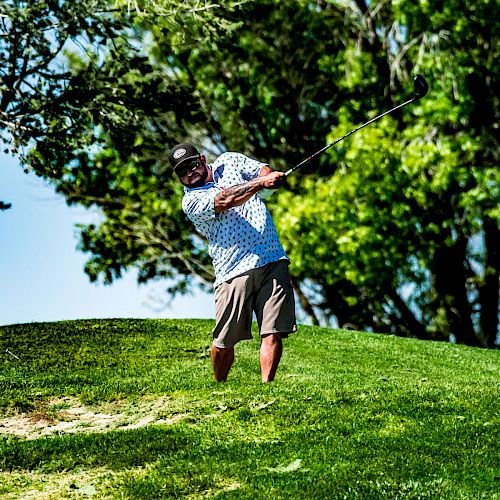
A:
<point x="74" y="417"/>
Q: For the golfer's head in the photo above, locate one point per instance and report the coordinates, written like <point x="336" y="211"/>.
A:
<point x="189" y="165"/>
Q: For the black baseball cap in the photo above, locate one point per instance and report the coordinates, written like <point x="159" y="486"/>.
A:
<point x="182" y="153"/>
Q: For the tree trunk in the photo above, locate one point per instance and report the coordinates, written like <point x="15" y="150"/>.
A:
<point x="304" y="302"/>
<point x="489" y="293"/>
<point x="450" y="285"/>
<point x="356" y="316"/>
<point x="410" y="323"/>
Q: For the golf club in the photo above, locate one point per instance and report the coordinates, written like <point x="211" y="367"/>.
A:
<point x="420" y="89"/>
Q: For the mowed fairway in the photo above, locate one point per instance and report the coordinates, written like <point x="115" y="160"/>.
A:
<point x="128" y="409"/>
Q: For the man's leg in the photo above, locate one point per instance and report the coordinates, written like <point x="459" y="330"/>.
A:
<point x="233" y="322"/>
<point x="222" y="360"/>
<point x="270" y="355"/>
<point x="275" y="309"/>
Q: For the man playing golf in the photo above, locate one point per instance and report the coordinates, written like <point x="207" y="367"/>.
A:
<point x="224" y="202"/>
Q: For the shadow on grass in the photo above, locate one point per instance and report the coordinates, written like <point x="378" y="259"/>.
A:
<point x="116" y="450"/>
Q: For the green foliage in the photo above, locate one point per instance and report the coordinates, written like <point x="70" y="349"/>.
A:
<point x="397" y="230"/>
<point x="95" y="115"/>
<point x="384" y="417"/>
<point x="398" y="207"/>
<point x="35" y="85"/>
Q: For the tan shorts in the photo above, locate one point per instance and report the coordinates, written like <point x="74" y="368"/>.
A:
<point x="267" y="291"/>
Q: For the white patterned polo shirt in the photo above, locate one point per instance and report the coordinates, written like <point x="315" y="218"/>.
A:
<point x="243" y="237"/>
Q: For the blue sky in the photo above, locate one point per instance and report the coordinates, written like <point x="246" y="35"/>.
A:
<point x="41" y="271"/>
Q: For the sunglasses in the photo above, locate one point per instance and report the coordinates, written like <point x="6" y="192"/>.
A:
<point x="187" y="167"/>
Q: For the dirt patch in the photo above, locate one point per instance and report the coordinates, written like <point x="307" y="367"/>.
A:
<point x="68" y="415"/>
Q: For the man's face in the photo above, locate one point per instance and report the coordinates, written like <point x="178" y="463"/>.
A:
<point x="193" y="173"/>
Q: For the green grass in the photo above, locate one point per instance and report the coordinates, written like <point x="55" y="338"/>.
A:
<point x="350" y="415"/>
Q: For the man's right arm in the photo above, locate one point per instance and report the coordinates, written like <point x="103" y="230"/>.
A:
<point x="239" y="194"/>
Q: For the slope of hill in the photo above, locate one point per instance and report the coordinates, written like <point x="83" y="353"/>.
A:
<point x="128" y="409"/>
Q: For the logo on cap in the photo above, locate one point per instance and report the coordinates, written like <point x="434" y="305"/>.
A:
<point x="179" y="153"/>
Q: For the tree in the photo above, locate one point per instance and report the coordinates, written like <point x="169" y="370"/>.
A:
<point x="396" y="230"/>
<point x="412" y="198"/>
<point x="86" y="108"/>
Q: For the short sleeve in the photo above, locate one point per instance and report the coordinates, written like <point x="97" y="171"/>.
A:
<point x="199" y="205"/>
<point x="248" y="167"/>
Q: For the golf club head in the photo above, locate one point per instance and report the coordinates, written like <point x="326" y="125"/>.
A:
<point x="420" y="87"/>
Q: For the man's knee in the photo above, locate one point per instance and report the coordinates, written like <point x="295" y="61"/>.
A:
<point x="272" y="338"/>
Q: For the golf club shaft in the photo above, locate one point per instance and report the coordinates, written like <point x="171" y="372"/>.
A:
<point x="288" y="172"/>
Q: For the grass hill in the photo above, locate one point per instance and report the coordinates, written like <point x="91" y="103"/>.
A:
<point x="128" y="409"/>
